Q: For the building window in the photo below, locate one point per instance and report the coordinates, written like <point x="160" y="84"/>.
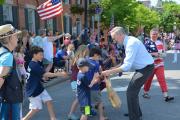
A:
<point x="66" y="1"/>
<point x="78" y="26"/>
<point x="94" y="0"/>
<point x="7" y="13"/>
<point x="31" y="20"/>
<point x="78" y="2"/>
<point x="50" y="24"/>
<point x="67" y="23"/>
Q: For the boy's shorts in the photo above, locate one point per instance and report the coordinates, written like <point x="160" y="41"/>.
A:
<point x="37" y="102"/>
<point x="86" y="110"/>
<point x="74" y="87"/>
<point x="95" y="97"/>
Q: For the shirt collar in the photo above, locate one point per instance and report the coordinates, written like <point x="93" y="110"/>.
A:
<point x="125" y="41"/>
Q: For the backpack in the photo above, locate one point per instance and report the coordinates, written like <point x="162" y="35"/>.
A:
<point x="11" y="91"/>
<point x="2" y="87"/>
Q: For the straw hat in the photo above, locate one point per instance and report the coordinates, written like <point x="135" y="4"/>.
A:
<point x="8" y="30"/>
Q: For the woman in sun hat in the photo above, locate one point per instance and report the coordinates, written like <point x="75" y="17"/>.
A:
<point x="11" y="95"/>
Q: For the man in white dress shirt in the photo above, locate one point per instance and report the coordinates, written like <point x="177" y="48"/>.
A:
<point x="137" y="58"/>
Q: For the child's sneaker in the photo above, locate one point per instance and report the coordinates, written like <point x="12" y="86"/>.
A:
<point x="73" y="117"/>
<point x="93" y="113"/>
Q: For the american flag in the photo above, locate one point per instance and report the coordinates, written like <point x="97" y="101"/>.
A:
<point x="50" y="9"/>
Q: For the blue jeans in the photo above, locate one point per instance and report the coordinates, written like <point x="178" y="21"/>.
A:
<point x="8" y="111"/>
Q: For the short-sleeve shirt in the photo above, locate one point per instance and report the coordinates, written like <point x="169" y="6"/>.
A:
<point x="92" y="70"/>
<point x="38" y="41"/>
<point x="6" y="59"/>
<point x="151" y="46"/>
<point x="60" y="54"/>
<point x="83" y="90"/>
<point x="34" y="86"/>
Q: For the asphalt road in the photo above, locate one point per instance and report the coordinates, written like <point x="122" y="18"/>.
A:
<point x="153" y="109"/>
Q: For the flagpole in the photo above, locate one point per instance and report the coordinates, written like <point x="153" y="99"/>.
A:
<point x="62" y="21"/>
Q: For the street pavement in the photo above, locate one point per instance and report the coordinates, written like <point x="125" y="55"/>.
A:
<point x="153" y="109"/>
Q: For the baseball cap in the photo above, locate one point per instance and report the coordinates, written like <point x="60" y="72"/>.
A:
<point x="82" y="62"/>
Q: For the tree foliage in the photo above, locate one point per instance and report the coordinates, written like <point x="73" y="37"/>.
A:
<point x="146" y="17"/>
<point x="170" y="16"/>
<point x="2" y="2"/>
<point x="121" y="9"/>
<point x="128" y="13"/>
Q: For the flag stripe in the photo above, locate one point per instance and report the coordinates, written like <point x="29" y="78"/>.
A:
<point x="51" y="12"/>
<point x="51" y="15"/>
<point x="43" y="5"/>
<point x="49" y="9"/>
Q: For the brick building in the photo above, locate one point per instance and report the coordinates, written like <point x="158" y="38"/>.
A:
<point x="24" y="16"/>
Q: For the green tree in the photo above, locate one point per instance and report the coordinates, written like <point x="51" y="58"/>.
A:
<point x="169" y="16"/>
<point x="146" y="17"/>
<point x="123" y="10"/>
<point x="2" y="2"/>
<point x="129" y="13"/>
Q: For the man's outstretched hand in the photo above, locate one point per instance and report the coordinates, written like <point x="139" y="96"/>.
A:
<point x="106" y="73"/>
<point x="95" y="80"/>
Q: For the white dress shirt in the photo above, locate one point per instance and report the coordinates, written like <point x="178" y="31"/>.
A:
<point x="137" y="57"/>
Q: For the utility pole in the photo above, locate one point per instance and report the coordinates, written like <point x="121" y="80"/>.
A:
<point x="85" y="14"/>
<point x="85" y="21"/>
<point x="98" y="13"/>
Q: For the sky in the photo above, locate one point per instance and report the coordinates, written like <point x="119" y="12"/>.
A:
<point x="153" y="2"/>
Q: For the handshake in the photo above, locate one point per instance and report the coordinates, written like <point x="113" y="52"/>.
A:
<point x="99" y="77"/>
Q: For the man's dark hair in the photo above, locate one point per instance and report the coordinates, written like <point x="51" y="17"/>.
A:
<point x="36" y="50"/>
<point x="95" y="50"/>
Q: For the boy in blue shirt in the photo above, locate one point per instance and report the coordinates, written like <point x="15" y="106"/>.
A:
<point x="93" y="73"/>
<point x="83" y="88"/>
<point x="61" y="57"/>
<point x="34" y="88"/>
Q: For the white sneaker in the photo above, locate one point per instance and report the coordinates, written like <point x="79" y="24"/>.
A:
<point x="73" y="117"/>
